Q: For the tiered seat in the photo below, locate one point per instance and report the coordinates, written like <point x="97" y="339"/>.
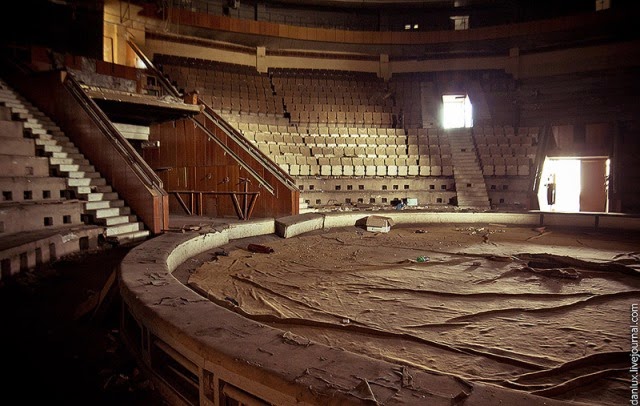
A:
<point x="504" y="151"/>
<point x="333" y="98"/>
<point x="434" y="151"/>
<point x="227" y="88"/>
<point x="407" y="99"/>
<point x="338" y="125"/>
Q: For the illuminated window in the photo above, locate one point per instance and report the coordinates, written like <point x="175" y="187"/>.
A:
<point x="602" y="4"/>
<point x="457" y="111"/>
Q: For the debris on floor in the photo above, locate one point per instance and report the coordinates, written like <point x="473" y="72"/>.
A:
<point x="379" y="224"/>
<point x="263" y="249"/>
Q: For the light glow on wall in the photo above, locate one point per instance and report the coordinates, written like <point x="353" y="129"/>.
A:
<point x="457" y="111"/>
<point x="564" y="174"/>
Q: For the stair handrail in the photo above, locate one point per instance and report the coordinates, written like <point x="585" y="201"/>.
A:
<point x="227" y="128"/>
<point x="246" y="145"/>
<point x="168" y="86"/>
<point x="139" y="165"/>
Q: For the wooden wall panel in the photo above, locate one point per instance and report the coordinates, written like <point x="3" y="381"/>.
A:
<point x="283" y="30"/>
<point x="215" y="22"/>
<point x="201" y="164"/>
<point x="181" y="146"/>
<point x="225" y="23"/>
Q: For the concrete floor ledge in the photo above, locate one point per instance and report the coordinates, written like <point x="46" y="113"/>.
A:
<point x="292" y="226"/>
<point x="216" y="347"/>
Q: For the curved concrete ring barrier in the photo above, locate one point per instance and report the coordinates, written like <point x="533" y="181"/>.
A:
<point x="199" y="352"/>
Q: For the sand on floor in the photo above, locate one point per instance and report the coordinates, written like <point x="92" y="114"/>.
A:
<point x="546" y="311"/>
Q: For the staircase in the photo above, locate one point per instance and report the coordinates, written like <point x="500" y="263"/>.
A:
<point x="102" y="204"/>
<point x="470" y="186"/>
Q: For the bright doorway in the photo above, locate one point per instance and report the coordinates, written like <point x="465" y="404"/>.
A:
<point x="457" y="111"/>
<point x="574" y="185"/>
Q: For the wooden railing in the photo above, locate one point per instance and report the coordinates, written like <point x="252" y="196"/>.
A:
<point x="286" y="31"/>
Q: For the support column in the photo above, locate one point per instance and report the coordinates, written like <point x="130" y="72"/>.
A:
<point x="261" y="60"/>
<point x="513" y="63"/>
<point x="384" y="72"/>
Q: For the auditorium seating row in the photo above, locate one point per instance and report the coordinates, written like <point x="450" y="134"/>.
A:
<point x="345" y="146"/>
<point x="325" y="140"/>
<point x="309" y="97"/>
<point x="317" y="78"/>
<point x="406" y="93"/>
<point x="516" y="151"/>
<point x="261" y="94"/>
<point x="238" y="83"/>
<point x="504" y="141"/>
<point x="506" y="151"/>
<point x="315" y="130"/>
<point x="502" y="130"/>
<point x="244" y="105"/>
<point x="186" y="63"/>
<point x="366" y="90"/>
<point x="510" y="166"/>
<point x="227" y="88"/>
<point x="342" y="118"/>
<point x="338" y="136"/>
<point x="360" y="152"/>
<point x="336" y="106"/>
<point x="368" y="170"/>
<point x="350" y="151"/>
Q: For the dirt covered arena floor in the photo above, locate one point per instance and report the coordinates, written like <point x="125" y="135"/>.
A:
<point x="541" y="310"/>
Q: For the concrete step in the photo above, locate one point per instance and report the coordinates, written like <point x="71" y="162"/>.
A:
<point x="11" y="103"/>
<point x="72" y="155"/>
<point x="83" y="190"/>
<point x="128" y="238"/>
<point x="123" y="228"/>
<point x="115" y="220"/>
<point x="77" y="182"/>
<point x="98" y="196"/>
<point x="108" y="212"/>
<point x="69" y="161"/>
<point x="33" y="126"/>
<point x="59" y="148"/>
<point x="76" y="168"/>
<point x="39" y="133"/>
<point x="104" y="204"/>
<point x="82" y="174"/>
<point x="21" y="113"/>
<point x="61" y="138"/>
<point x="43" y="141"/>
